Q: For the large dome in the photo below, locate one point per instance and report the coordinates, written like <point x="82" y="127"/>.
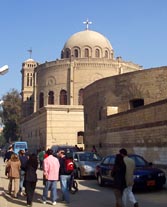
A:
<point x="87" y="39"/>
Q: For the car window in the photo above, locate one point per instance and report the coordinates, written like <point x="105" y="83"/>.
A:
<point x="75" y="156"/>
<point x="89" y="157"/>
<point x="106" y="160"/>
<point x="139" y="161"/>
<point x="112" y="160"/>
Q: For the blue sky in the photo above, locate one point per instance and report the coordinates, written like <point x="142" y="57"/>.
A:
<point x="137" y="30"/>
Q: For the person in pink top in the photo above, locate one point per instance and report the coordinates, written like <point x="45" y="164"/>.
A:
<point x="51" y="172"/>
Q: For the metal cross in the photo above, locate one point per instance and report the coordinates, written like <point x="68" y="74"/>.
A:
<point x="30" y="51"/>
<point x="87" y="23"/>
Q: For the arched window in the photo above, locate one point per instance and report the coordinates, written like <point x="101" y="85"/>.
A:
<point x="29" y="79"/>
<point x="67" y="54"/>
<point x="136" y="103"/>
<point x="51" y="97"/>
<point x="106" y="54"/>
<point x="80" y="97"/>
<point x="97" y="53"/>
<point x="41" y="100"/>
<point x="63" y="97"/>
<point x="76" y="53"/>
<point x="62" y="55"/>
<point x="86" y="52"/>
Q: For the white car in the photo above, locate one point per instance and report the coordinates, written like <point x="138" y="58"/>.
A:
<point x="85" y="163"/>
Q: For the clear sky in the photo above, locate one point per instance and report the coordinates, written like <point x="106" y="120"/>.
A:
<point x="137" y="30"/>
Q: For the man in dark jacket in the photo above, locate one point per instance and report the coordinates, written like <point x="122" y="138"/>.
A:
<point x="8" y="153"/>
<point x="64" y="176"/>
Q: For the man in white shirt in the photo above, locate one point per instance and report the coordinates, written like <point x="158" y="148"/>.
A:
<point x="130" y="167"/>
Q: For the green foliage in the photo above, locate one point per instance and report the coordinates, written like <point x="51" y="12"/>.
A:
<point x="11" y="115"/>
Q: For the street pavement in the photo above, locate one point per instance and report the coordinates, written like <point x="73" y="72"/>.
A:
<point x="89" y="195"/>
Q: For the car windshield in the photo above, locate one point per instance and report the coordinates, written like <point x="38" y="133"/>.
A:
<point x="89" y="157"/>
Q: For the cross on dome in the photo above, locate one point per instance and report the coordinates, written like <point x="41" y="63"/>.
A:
<point x="30" y="51"/>
<point x="87" y="22"/>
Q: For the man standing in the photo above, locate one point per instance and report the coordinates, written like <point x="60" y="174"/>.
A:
<point x="8" y="153"/>
<point x="130" y="166"/>
<point x="51" y="172"/>
<point x="65" y="176"/>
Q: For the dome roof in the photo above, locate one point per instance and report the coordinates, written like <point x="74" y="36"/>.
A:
<point x="88" y="38"/>
<point x="29" y="60"/>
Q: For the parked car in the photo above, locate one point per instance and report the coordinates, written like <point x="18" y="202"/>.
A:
<point x="69" y="150"/>
<point x="145" y="175"/>
<point x="85" y="163"/>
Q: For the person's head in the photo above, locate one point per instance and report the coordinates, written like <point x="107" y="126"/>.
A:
<point x="49" y="152"/>
<point x="10" y="148"/>
<point x="61" y="153"/>
<point x="33" y="160"/>
<point x="22" y="152"/>
<point x="14" y="157"/>
<point x="123" y="152"/>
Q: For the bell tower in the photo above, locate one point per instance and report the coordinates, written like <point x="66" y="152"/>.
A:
<point x="27" y="72"/>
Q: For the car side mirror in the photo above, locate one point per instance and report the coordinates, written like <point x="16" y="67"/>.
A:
<point x="75" y="159"/>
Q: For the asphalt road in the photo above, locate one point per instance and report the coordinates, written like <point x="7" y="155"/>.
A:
<point x="89" y="195"/>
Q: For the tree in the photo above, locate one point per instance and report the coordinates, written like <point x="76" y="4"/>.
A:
<point x="11" y="115"/>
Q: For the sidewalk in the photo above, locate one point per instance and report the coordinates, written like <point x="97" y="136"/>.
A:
<point x="7" y="201"/>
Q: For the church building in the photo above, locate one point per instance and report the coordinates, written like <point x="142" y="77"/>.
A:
<point x="52" y="92"/>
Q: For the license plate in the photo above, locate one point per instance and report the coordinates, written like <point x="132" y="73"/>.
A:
<point x="151" y="183"/>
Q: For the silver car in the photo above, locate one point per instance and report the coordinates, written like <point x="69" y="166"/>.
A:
<point x="85" y="163"/>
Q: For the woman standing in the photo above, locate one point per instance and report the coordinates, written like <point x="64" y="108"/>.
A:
<point x="31" y="178"/>
<point x="119" y="183"/>
<point x="23" y="159"/>
<point x="14" y="173"/>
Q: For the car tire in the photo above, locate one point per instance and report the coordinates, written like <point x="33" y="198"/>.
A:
<point x="100" y="180"/>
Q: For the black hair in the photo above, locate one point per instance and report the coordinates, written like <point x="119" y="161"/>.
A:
<point x="49" y="152"/>
<point x="123" y="151"/>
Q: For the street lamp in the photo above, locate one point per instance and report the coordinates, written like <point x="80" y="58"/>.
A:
<point x="4" y="69"/>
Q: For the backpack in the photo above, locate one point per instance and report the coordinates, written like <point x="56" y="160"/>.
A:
<point x="69" y="164"/>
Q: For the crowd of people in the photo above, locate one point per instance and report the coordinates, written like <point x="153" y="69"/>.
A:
<point x="21" y="170"/>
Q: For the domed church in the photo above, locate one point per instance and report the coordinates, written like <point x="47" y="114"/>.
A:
<point x="52" y="92"/>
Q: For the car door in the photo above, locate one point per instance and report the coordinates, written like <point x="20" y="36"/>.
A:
<point x="110" y="168"/>
<point x="106" y="168"/>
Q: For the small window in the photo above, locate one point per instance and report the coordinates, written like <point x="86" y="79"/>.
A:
<point x="86" y="52"/>
<point x="97" y="53"/>
<point x="67" y="54"/>
<point x="100" y="113"/>
<point x="136" y="103"/>
<point x="106" y="54"/>
<point x="51" y="97"/>
<point x="63" y="97"/>
<point x="80" y="139"/>
<point x="41" y="100"/>
<point x="76" y="53"/>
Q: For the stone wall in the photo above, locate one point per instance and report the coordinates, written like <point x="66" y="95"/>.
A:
<point x="53" y="125"/>
<point x="141" y="130"/>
